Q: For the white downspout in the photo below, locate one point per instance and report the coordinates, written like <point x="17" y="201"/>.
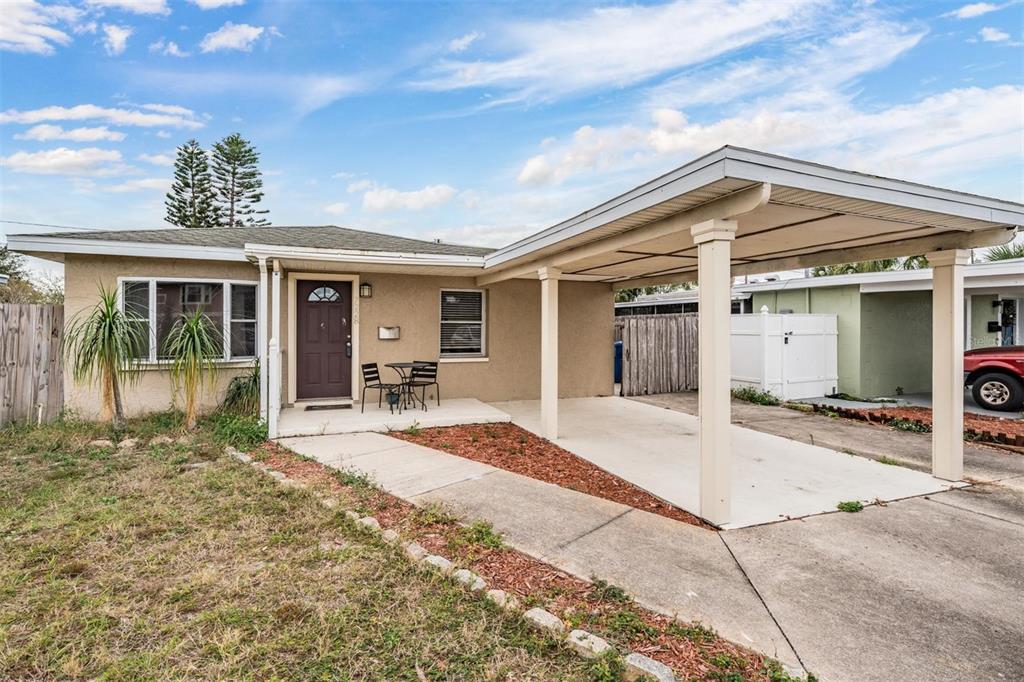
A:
<point x="261" y="328"/>
<point x="274" y="383"/>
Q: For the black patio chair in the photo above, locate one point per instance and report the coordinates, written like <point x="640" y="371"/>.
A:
<point x="424" y="375"/>
<point x="371" y="380"/>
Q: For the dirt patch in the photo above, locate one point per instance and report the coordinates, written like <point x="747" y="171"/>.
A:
<point x="691" y="650"/>
<point x="509" y="447"/>
<point x="976" y="426"/>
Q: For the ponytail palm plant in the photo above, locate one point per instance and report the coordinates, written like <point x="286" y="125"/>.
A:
<point x="193" y="346"/>
<point x="104" y="347"/>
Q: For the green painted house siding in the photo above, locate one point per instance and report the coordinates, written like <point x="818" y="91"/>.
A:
<point x="896" y="343"/>
<point x="982" y="312"/>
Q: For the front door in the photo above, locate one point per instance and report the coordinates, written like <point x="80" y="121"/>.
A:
<point x="323" y="354"/>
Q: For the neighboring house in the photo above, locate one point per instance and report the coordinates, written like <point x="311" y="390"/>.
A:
<point x="884" y="318"/>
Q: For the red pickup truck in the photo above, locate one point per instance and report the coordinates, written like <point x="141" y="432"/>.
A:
<point x="996" y="377"/>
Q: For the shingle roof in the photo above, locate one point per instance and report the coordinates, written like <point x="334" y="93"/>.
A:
<point x="319" y="236"/>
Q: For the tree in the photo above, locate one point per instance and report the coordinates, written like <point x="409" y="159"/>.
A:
<point x="237" y="183"/>
<point x="190" y="201"/>
<point x="12" y="264"/>
<point x="1005" y="252"/>
<point x="193" y="346"/>
<point x="625" y="295"/>
<point x="883" y="265"/>
<point x="22" y="287"/>
<point x="105" y="347"/>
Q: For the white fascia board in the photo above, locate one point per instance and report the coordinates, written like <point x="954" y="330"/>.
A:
<point x="746" y="164"/>
<point x="102" y="247"/>
<point x="1005" y="281"/>
<point x="694" y="175"/>
<point x="356" y="256"/>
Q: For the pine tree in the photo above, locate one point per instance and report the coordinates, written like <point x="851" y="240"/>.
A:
<point x="237" y="182"/>
<point x="190" y="201"/>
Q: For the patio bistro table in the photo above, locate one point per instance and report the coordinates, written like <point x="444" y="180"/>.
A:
<point x="404" y="370"/>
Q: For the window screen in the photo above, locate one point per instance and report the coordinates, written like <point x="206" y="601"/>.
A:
<point x="462" y="323"/>
<point x="136" y="310"/>
<point x="243" y="320"/>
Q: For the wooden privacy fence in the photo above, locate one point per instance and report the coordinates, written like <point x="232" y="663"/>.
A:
<point x="31" y="366"/>
<point x="659" y="353"/>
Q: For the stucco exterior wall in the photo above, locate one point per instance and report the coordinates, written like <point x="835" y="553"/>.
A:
<point x="153" y="391"/>
<point x="511" y="370"/>
<point x="896" y="350"/>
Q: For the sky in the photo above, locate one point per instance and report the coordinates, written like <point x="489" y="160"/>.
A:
<point x="481" y="122"/>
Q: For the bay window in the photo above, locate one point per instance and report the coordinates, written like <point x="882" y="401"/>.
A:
<point x="156" y="304"/>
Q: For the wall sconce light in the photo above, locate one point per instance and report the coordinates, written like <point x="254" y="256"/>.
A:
<point x="365" y="291"/>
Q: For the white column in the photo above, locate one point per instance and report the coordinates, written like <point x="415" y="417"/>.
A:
<point x="274" y="376"/>
<point x="262" y="327"/>
<point x="549" y="352"/>
<point x="948" y="362"/>
<point x="714" y="280"/>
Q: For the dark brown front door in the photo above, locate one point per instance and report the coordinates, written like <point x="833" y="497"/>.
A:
<point x="323" y="360"/>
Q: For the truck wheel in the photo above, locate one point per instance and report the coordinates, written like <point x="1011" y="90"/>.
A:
<point x="998" y="392"/>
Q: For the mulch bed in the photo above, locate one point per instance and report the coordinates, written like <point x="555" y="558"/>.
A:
<point x="509" y="447"/>
<point x="980" y="427"/>
<point x="692" y="651"/>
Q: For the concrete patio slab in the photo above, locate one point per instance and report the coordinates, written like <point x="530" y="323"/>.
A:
<point x="916" y="590"/>
<point x="773" y="478"/>
<point x="995" y="500"/>
<point x="296" y="421"/>
<point x="914" y="450"/>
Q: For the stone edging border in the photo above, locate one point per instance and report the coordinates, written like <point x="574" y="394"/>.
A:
<point x="584" y="644"/>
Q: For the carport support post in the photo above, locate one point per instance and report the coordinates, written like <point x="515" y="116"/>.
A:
<point x="948" y="362"/>
<point x="714" y="299"/>
<point x="549" y="352"/>
<point x="274" y="373"/>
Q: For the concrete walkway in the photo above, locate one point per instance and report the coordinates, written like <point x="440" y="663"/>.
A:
<point x="773" y="478"/>
<point x="671" y="567"/>
<point x="296" y="421"/>
<point x="925" y="589"/>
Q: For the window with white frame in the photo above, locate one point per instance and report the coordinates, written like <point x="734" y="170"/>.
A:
<point x="463" y="330"/>
<point x="156" y="304"/>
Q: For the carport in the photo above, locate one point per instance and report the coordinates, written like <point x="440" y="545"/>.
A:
<point x="736" y="212"/>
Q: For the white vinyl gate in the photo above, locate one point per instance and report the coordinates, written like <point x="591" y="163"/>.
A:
<point x="791" y="356"/>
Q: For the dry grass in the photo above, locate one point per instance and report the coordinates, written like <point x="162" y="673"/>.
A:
<point x="134" y="565"/>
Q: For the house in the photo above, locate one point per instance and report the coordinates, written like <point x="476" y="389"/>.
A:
<point x="884" y="318"/>
<point x="534" y="318"/>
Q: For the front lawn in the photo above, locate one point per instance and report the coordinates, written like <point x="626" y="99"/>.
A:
<point x="172" y="561"/>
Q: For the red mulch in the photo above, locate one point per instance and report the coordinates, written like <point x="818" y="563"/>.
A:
<point x="533" y="581"/>
<point x="514" y="449"/>
<point x="988" y="428"/>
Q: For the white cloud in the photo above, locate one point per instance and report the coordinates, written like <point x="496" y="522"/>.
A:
<point x="935" y="137"/>
<point x="47" y="132"/>
<point x="619" y="46"/>
<point x="170" y="109"/>
<point x="379" y="198"/>
<point x="90" y="161"/>
<point x="462" y="43"/>
<point x="974" y="10"/>
<point x="157" y="159"/>
<point x="232" y="36"/>
<point x="163" y="134"/>
<point x="116" y="38"/>
<point x="161" y="184"/>
<point x="168" y="48"/>
<point x="993" y="35"/>
<point x="360" y="186"/>
<point x="337" y="208"/>
<point x="214" y="4"/>
<point x="27" y="26"/>
<point x="134" y="6"/>
<point x="114" y="116"/>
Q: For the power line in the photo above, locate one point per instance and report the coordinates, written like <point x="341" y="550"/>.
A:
<point x="59" y="227"/>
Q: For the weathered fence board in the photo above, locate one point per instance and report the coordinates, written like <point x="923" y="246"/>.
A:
<point x="31" y="366"/>
<point x="659" y="353"/>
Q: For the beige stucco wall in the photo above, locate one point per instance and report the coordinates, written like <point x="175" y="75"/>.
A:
<point x="510" y="372"/>
<point x="512" y="368"/>
<point x="153" y="391"/>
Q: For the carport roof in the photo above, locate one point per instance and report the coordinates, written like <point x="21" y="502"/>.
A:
<point x="812" y="208"/>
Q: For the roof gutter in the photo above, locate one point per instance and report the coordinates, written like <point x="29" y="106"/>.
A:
<point x="269" y="251"/>
<point x="105" y="247"/>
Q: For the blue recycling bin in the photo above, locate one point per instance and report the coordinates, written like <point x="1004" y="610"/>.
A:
<point x="618" y="362"/>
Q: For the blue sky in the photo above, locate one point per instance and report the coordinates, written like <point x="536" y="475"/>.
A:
<point x="482" y="122"/>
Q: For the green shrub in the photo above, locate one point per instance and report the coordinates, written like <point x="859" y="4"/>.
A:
<point x="244" y="432"/>
<point x="850" y="506"/>
<point x="752" y="395"/>
<point x="243" y="393"/>
<point x="907" y="425"/>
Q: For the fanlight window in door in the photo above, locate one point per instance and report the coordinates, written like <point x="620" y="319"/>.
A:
<point x="323" y="295"/>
